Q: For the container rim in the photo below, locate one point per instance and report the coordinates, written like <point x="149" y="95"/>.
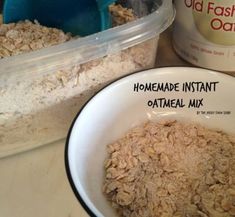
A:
<point x="95" y="46"/>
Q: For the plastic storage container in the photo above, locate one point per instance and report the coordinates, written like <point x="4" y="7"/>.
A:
<point x="41" y="91"/>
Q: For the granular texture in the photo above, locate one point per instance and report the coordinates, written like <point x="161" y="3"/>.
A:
<point x="121" y="15"/>
<point x="172" y="169"/>
<point x="26" y="36"/>
<point x="37" y="107"/>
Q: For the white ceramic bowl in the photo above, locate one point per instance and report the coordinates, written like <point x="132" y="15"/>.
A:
<point x="117" y="108"/>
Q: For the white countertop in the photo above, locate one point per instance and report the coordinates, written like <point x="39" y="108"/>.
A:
<point x="34" y="183"/>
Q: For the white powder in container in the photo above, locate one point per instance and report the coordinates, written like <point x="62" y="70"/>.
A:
<point x="39" y="110"/>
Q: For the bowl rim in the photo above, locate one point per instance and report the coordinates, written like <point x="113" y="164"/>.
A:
<point x="66" y="154"/>
<point x="67" y="167"/>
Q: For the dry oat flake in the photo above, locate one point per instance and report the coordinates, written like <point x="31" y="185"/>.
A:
<point x="26" y="36"/>
<point x="32" y="110"/>
<point x="171" y="169"/>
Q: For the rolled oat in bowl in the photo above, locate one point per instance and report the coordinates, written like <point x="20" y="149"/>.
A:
<point x="171" y="169"/>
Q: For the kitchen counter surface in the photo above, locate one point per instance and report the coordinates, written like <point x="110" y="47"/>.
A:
<point x="34" y="183"/>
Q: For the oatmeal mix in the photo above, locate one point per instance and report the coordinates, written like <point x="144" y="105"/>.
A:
<point x="26" y="36"/>
<point x="172" y="169"/>
<point x="39" y="109"/>
<point x="121" y="15"/>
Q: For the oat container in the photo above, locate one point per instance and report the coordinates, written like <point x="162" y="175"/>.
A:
<point x="204" y="33"/>
<point x="41" y="91"/>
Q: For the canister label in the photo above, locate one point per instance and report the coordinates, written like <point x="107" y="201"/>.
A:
<point x="204" y="33"/>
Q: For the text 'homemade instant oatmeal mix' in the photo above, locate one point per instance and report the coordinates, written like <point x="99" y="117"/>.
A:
<point x="171" y="169"/>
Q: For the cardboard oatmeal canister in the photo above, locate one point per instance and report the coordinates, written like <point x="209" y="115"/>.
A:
<point x="204" y="33"/>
